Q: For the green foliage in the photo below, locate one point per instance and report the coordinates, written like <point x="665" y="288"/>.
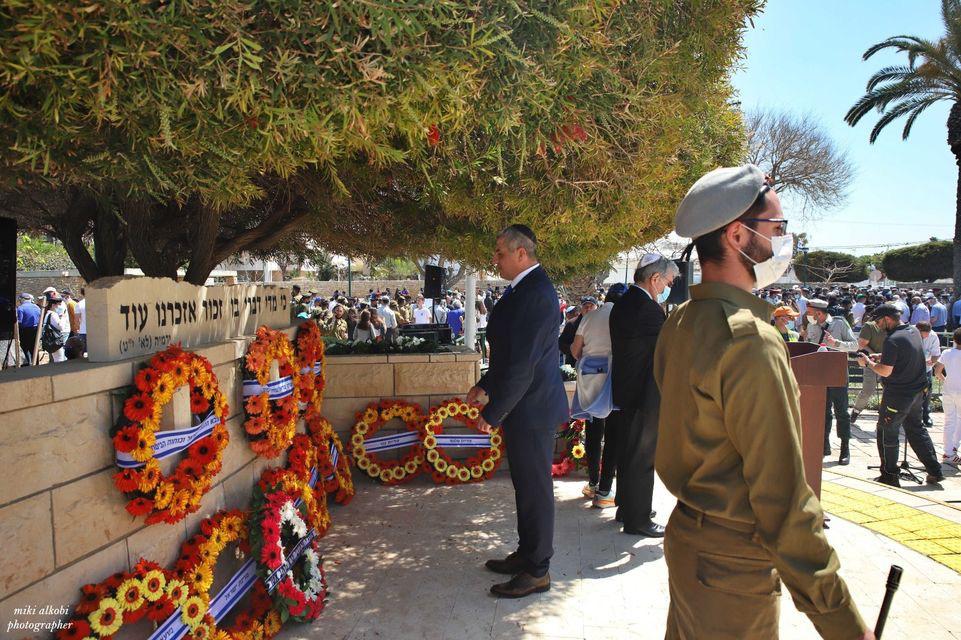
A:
<point x="919" y="263"/>
<point x="829" y="266"/>
<point x="404" y="128"/>
<point x="36" y="254"/>
<point x="394" y="269"/>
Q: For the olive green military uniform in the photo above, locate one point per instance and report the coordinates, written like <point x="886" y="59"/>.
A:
<point x="729" y="449"/>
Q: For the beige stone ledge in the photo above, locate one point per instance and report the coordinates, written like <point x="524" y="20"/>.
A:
<point x="357" y="359"/>
<point x="44" y="446"/>
<point x="62" y="589"/>
<point x="443" y="357"/>
<point x="361" y="379"/>
<point x="408" y="357"/>
<point x="27" y="543"/>
<point x="93" y="378"/>
<point x="26" y="387"/>
<point x="470" y="356"/>
<point x="219" y="353"/>
<point x="88" y="514"/>
<point x="435" y="378"/>
<point x="159" y="542"/>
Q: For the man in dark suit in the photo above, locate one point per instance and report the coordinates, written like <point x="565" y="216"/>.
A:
<point x="636" y="321"/>
<point x="524" y="395"/>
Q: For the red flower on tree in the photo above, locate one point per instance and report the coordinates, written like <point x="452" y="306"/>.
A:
<point x="433" y="135"/>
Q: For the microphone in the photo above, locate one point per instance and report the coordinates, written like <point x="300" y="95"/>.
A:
<point x="894" y="579"/>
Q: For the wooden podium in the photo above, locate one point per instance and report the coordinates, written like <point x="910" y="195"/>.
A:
<point x="815" y="372"/>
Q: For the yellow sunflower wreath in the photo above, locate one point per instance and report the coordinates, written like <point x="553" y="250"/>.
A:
<point x="125" y="598"/>
<point x="366" y="448"/>
<point x="140" y="445"/>
<point x="446" y="470"/>
<point x="271" y="405"/>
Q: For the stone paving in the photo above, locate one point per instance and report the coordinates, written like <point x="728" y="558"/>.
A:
<point x="407" y="563"/>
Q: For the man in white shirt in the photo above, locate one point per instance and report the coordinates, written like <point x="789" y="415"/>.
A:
<point x="389" y="317"/>
<point x="948" y="371"/>
<point x="932" y="352"/>
<point x="902" y="307"/>
<point x="857" y="311"/>
<point x="920" y="313"/>
<point x="81" y="312"/>
<point x="421" y="313"/>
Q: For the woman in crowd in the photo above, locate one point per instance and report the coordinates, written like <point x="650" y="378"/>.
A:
<point x="365" y="331"/>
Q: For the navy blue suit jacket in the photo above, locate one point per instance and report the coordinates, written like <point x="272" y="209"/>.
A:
<point x="523" y="379"/>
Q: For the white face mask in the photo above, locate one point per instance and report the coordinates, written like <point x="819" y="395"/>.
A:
<point x="768" y="271"/>
<point x="812" y="320"/>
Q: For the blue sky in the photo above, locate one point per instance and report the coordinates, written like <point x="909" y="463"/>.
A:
<point x="805" y="56"/>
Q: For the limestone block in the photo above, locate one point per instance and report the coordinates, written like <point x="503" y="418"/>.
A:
<point x="238" y="487"/>
<point x="443" y="357"/>
<point x="88" y="514"/>
<point x="408" y="357"/>
<point x="224" y="352"/>
<point x="230" y="383"/>
<point x="159" y="542"/>
<point x="91" y="378"/>
<point x="435" y="378"/>
<point x="212" y="502"/>
<point x="361" y="380"/>
<point x="48" y="445"/>
<point x="27" y="543"/>
<point x="26" y="387"/>
<point x="132" y="317"/>
<point x="340" y="411"/>
<point x="238" y="452"/>
<point x="361" y="359"/>
<point x="62" y="589"/>
<point x="468" y="356"/>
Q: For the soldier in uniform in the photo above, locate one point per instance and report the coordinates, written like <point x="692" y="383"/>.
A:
<point x="729" y="435"/>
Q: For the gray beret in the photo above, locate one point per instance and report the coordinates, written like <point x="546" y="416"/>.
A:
<point x="817" y="303"/>
<point x="717" y="198"/>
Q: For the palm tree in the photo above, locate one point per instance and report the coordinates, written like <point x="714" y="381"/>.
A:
<point x="933" y="73"/>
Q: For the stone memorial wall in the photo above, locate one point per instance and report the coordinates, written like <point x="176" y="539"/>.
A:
<point x="134" y="316"/>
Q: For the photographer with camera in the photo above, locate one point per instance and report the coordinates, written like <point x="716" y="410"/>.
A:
<point x="901" y="366"/>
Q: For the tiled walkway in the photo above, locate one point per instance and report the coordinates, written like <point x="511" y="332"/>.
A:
<point x="407" y="563"/>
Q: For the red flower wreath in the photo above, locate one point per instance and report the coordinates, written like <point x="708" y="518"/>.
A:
<point x="124" y="598"/>
<point x="368" y="422"/>
<point x="195" y="568"/>
<point x="573" y="456"/>
<point x="271" y="424"/>
<point x="336" y="477"/>
<point x="310" y="354"/>
<point x="445" y="469"/>
<point x="277" y="525"/>
<point x="168" y="498"/>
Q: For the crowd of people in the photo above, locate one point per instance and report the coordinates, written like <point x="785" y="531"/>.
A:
<point x="52" y="324"/>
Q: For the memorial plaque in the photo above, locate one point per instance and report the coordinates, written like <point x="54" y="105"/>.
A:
<point x="135" y="316"/>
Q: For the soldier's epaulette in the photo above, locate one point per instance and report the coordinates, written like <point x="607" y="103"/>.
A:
<point x="742" y="323"/>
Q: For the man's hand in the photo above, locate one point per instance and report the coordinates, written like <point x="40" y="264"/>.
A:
<point x="862" y="361"/>
<point x="829" y="339"/>
<point x="476" y="395"/>
<point x="483" y="426"/>
<point x="868" y="635"/>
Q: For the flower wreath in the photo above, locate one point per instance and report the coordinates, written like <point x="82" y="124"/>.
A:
<point x="124" y="598"/>
<point x="271" y="407"/>
<point x="195" y="567"/>
<point x="139" y="446"/>
<point x="365" y="447"/>
<point x="573" y="456"/>
<point x="311" y="364"/>
<point x="475" y="468"/>
<point x="314" y="499"/>
<point x="289" y="558"/>
<point x="333" y="465"/>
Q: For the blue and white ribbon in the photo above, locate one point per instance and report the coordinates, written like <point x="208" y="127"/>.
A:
<point x="334" y="458"/>
<point x="173" y="628"/>
<point x="396" y="441"/>
<point x="318" y="366"/>
<point x="450" y="440"/>
<point x="169" y="443"/>
<point x="275" y="389"/>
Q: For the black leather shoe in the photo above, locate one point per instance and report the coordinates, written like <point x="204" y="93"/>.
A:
<point x="649" y="530"/>
<point x="845" y="458"/>
<point x="854" y="415"/>
<point x="827" y="449"/>
<point x="935" y="479"/>
<point x="509" y="566"/>
<point x="891" y="481"/>
<point x="523" y="584"/>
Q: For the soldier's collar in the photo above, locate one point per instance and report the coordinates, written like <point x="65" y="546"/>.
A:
<point x="738" y="297"/>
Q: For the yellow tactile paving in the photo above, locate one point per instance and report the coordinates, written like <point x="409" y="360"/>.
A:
<point x="935" y="537"/>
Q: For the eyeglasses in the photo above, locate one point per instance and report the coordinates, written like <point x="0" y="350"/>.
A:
<point x="782" y="222"/>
